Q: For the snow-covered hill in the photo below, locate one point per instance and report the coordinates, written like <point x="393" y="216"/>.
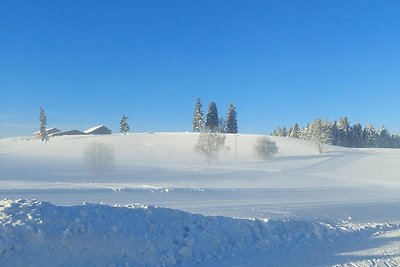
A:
<point x="305" y="203"/>
<point x="163" y="169"/>
<point x="170" y="160"/>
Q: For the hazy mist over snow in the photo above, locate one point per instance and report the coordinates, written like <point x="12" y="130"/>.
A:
<point x="327" y="209"/>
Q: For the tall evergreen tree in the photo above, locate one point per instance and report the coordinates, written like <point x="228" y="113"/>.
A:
<point x="394" y="141"/>
<point x="294" y="131"/>
<point x="305" y="132"/>
<point x="357" y="135"/>
<point x="284" y="132"/>
<point x="335" y="134"/>
<point x="278" y="132"/>
<point x="124" y="127"/>
<point x="344" y="132"/>
<point x="369" y="136"/>
<point x="320" y="133"/>
<point x="382" y="138"/>
<point x="212" y="122"/>
<point x="231" y="120"/>
<point x="198" y="117"/>
<point x="43" y="125"/>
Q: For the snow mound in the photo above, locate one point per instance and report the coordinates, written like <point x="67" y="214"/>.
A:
<point x="38" y="233"/>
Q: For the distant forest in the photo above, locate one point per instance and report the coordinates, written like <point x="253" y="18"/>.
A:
<point x="340" y="133"/>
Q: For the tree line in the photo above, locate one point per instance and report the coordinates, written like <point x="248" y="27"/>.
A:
<point x="212" y="122"/>
<point x="341" y="133"/>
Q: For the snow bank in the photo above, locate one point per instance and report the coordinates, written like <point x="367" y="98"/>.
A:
<point x="38" y="233"/>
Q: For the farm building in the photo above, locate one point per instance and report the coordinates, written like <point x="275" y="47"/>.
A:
<point x="49" y="132"/>
<point x="101" y="129"/>
<point x="69" y="132"/>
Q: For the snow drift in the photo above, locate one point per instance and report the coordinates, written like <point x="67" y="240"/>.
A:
<point x="38" y="233"/>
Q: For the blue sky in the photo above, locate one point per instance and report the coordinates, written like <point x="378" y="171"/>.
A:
<point x="281" y="62"/>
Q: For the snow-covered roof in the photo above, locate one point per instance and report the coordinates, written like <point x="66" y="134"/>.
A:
<point x="49" y="131"/>
<point x="94" y="128"/>
<point x="98" y="129"/>
<point x="69" y="132"/>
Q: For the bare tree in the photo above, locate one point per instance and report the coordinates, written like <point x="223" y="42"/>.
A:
<point x="99" y="158"/>
<point x="265" y="148"/>
<point x="210" y="144"/>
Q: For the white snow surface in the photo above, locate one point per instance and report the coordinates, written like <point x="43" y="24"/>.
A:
<point x="339" y="208"/>
<point x="38" y="233"/>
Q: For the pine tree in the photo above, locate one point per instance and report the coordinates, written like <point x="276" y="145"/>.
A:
<point x="335" y="134"/>
<point x="231" y="120"/>
<point x="305" y="132"/>
<point x="212" y="122"/>
<point x="124" y="127"/>
<point x="344" y="132"/>
<point x="320" y="133"/>
<point x="382" y="138"/>
<point x="327" y="132"/>
<point x="369" y="136"/>
<point x="294" y="131"/>
<point x="284" y="132"/>
<point x="43" y="126"/>
<point x="198" y="117"/>
<point x="395" y="141"/>
<point x="357" y="135"/>
<point x="278" y="132"/>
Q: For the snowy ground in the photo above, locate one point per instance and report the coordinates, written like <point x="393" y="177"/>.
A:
<point x="338" y="208"/>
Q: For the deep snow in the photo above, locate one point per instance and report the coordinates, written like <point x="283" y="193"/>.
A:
<point x="37" y="233"/>
<point x="349" y="194"/>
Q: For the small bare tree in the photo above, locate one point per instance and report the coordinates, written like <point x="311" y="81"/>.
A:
<point x="99" y="158"/>
<point x="210" y="144"/>
<point x="265" y="148"/>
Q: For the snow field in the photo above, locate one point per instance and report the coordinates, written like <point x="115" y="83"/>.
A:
<point x="307" y="194"/>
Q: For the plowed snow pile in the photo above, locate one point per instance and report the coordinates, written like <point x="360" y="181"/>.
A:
<point x="40" y="234"/>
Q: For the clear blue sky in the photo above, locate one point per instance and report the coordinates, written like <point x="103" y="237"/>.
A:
<point x="281" y="62"/>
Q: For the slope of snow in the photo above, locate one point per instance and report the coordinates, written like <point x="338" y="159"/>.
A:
<point x="169" y="160"/>
<point x="163" y="169"/>
<point x="37" y="233"/>
<point x="308" y="205"/>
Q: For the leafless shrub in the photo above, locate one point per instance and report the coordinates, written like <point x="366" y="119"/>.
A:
<point x="265" y="148"/>
<point x="99" y="158"/>
<point x="210" y="144"/>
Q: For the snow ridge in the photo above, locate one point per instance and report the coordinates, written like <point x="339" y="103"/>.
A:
<point x="38" y="233"/>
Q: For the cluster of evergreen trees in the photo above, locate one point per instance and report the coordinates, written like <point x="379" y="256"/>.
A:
<point x="212" y="122"/>
<point x="340" y="133"/>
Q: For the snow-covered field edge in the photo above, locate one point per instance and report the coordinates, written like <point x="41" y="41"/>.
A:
<point x="38" y="233"/>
